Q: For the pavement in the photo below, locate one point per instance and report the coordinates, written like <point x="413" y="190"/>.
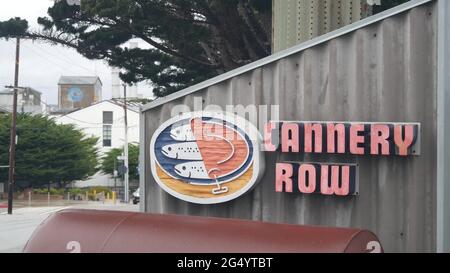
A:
<point x="16" y="229"/>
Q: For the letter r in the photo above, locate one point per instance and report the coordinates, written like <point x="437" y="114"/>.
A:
<point x="283" y="176"/>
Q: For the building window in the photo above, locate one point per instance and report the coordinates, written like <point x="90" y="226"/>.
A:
<point x="107" y="117"/>
<point x="107" y="135"/>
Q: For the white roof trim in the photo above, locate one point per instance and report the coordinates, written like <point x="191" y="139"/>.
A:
<point x="282" y="54"/>
<point x="97" y="103"/>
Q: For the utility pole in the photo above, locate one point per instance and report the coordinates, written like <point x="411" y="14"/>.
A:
<point x="12" y="147"/>
<point x="115" y="175"/>
<point x="125" y="146"/>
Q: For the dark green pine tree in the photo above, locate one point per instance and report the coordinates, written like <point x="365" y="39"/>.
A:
<point x="47" y="153"/>
<point x="109" y="161"/>
<point x="188" y="41"/>
<point x="387" y="4"/>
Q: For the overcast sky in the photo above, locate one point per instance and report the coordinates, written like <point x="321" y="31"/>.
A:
<point x="41" y="64"/>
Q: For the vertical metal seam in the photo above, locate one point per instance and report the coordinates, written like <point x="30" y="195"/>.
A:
<point x="326" y="16"/>
<point x="443" y="127"/>
<point x="298" y="14"/>
<point x="339" y="13"/>
<point x="311" y="18"/>
<point x="288" y="16"/>
<point x="350" y="11"/>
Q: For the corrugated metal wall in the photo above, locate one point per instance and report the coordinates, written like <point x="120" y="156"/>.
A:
<point x="383" y="72"/>
<point x="296" y="21"/>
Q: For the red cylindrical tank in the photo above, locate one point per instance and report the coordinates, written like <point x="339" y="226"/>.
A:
<point x="90" y="231"/>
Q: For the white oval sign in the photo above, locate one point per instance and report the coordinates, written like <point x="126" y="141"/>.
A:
<point x="206" y="158"/>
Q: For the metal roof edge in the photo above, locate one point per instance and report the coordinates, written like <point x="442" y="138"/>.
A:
<point x="287" y="52"/>
<point x="116" y="102"/>
<point x="97" y="78"/>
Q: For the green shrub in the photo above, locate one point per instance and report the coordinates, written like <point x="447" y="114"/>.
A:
<point x="76" y="191"/>
<point x="100" y="189"/>
<point x="90" y="192"/>
<point x="37" y="191"/>
<point x="40" y="191"/>
<point x="53" y="191"/>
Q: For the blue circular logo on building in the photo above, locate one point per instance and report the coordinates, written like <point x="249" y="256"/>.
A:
<point x="75" y="94"/>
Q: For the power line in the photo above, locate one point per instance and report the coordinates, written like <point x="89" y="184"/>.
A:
<point x="66" y="60"/>
<point x="47" y="59"/>
<point x="5" y="109"/>
<point x="59" y="58"/>
<point x="95" y="123"/>
<point x="51" y="61"/>
<point x="71" y="60"/>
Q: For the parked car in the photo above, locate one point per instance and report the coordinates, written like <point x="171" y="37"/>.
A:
<point x="136" y="197"/>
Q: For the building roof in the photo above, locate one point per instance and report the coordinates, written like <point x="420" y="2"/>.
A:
<point x="79" y="80"/>
<point x="27" y="89"/>
<point x="287" y="52"/>
<point x="131" y="107"/>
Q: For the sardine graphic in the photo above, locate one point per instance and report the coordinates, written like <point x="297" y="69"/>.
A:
<point x="182" y="132"/>
<point x="211" y="150"/>
<point x="194" y="169"/>
<point x="184" y="151"/>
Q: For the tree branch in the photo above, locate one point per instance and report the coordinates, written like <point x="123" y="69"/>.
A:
<point x="161" y="47"/>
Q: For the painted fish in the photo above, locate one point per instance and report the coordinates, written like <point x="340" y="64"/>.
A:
<point x="195" y="170"/>
<point x="213" y="148"/>
<point x="182" y="132"/>
<point x="184" y="151"/>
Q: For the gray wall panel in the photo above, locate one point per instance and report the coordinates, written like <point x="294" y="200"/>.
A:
<point x="383" y="72"/>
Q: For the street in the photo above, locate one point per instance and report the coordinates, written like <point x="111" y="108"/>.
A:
<point x="16" y="229"/>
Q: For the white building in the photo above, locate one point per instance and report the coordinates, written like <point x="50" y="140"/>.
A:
<point x="117" y="87"/>
<point x="29" y="100"/>
<point x="104" y="120"/>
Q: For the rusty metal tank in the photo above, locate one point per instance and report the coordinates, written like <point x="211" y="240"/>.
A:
<point x="94" y="231"/>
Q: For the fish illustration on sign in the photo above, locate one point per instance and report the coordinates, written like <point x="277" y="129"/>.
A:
<point x="182" y="132"/>
<point x="196" y="169"/>
<point x="206" y="152"/>
<point x="185" y="151"/>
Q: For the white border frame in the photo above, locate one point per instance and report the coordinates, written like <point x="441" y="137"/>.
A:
<point x="250" y="130"/>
